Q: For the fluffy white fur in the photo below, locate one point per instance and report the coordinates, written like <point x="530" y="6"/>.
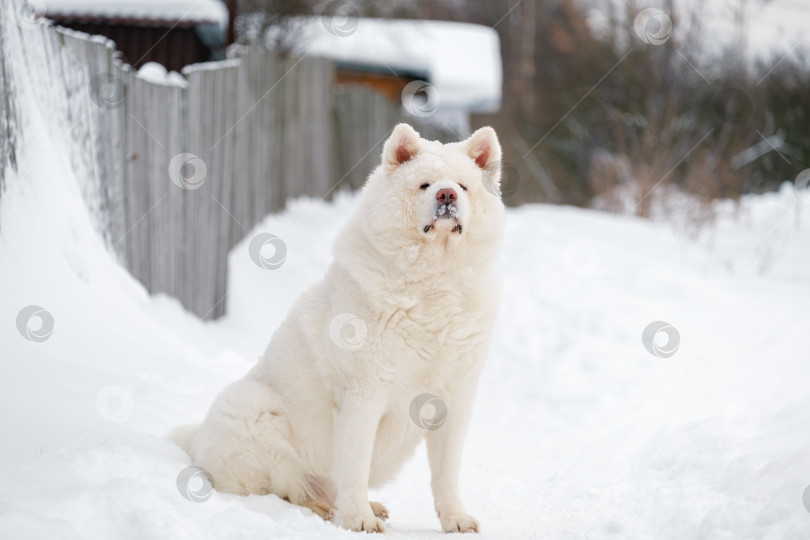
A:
<point x="324" y="415"/>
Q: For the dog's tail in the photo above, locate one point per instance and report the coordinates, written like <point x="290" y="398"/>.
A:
<point x="183" y="436"/>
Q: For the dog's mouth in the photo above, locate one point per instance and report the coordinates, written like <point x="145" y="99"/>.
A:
<point x="444" y="212"/>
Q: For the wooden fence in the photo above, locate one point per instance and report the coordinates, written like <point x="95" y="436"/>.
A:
<point x="250" y="133"/>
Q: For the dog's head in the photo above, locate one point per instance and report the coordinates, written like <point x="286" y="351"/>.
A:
<point x="429" y="201"/>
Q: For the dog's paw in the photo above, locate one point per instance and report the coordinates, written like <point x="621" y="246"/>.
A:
<point x="320" y="508"/>
<point x="363" y="522"/>
<point x="379" y="509"/>
<point x="459" y="522"/>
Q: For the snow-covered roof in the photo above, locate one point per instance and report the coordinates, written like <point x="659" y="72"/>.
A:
<point x="174" y="11"/>
<point x="462" y="61"/>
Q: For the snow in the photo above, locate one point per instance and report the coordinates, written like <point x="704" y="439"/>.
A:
<point x="462" y="60"/>
<point x="169" y="10"/>
<point x="155" y="73"/>
<point x="578" y="431"/>
<point x="210" y="66"/>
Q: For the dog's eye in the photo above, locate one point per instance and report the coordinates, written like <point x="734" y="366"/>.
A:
<point x="424" y="186"/>
<point x="463" y="187"/>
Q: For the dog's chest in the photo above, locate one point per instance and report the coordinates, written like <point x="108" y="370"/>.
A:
<point x="434" y="337"/>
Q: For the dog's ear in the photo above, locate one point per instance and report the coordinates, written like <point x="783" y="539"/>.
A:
<point x="401" y="146"/>
<point x="483" y="147"/>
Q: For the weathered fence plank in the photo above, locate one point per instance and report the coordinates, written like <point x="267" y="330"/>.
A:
<point x="210" y="219"/>
<point x="137" y="189"/>
<point x="120" y="196"/>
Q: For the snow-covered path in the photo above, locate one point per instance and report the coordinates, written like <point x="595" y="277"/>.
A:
<point x="579" y="432"/>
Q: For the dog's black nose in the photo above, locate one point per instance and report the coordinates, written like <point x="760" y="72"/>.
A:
<point x="446" y="196"/>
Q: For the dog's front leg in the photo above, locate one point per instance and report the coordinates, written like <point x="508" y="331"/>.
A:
<point x="444" y="445"/>
<point x="355" y="427"/>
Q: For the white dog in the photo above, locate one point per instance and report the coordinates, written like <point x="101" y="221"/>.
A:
<point x="400" y="325"/>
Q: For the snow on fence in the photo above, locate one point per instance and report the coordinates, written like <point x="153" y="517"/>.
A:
<point x="177" y="170"/>
<point x="8" y="118"/>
